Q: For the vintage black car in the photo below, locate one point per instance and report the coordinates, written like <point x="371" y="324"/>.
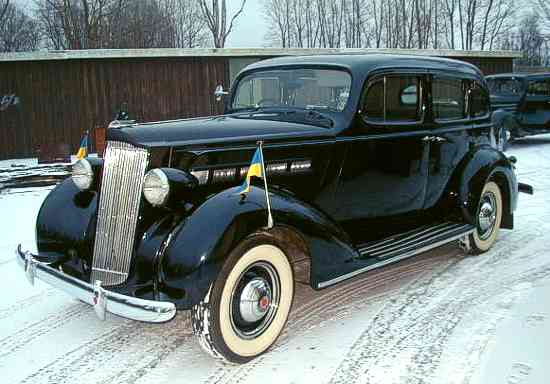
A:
<point x="370" y="159"/>
<point x="523" y="102"/>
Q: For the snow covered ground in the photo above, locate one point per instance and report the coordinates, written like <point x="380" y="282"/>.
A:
<point x="442" y="317"/>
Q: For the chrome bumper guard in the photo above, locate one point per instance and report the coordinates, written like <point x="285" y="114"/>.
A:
<point x="101" y="299"/>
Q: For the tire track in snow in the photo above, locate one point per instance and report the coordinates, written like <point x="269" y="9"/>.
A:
<point x="27" y="302"/>
<point x="121" y="355"/>
<point x="416" y="325"/>
<point x="333" y="299"/>
<point x="31" y="332"/>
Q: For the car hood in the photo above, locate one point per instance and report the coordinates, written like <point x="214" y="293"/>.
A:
<point x="212" y="130"/>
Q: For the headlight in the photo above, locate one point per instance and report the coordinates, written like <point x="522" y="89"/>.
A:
<point x="156" y="187"/>
<point x="83" y="175"/>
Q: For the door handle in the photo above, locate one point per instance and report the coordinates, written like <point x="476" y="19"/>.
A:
<point x="434" y="139"/>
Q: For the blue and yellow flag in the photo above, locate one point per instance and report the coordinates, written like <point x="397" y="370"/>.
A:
<point x="83" y="150"/>
<point x="255" y="169"/>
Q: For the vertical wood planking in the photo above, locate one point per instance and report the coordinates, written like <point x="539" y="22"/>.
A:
<point x="61" y="99"/>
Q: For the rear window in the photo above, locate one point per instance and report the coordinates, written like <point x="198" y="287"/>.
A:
<point x="505" y="87"/>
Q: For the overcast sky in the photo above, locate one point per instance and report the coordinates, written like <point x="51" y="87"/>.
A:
<point x="250" y="28"/>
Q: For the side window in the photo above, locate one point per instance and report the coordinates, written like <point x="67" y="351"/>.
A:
<point x="393" y="99"/>
<point x="374" y="101"/>
<point x="448" y="97"/>
<point x="539" y="88"/>
<point x="479" y="100"/>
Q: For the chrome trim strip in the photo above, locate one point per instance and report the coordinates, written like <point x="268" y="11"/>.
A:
<point x="126" y="306"/>
<point x="400" y="257"/>
<point x="413" y="244"/>
<point x="383" y="242"/>
<point x="120" y="196"/>
<point x="110" y="271"/>
<point x="425" y="235"/>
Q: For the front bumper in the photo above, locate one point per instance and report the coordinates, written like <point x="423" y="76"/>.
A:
<point x="101" y="299"/>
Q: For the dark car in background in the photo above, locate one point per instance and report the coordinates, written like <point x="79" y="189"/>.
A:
<point x="370" y="159"/>
<point x="523" y="100"/>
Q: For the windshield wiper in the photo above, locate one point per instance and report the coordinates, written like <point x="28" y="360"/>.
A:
<point x="300" y="115"/>
<point x="316" y="116"/>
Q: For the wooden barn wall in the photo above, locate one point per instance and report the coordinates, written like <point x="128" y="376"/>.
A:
<point x="47" y="103"/>
<point x="490" y="65"/>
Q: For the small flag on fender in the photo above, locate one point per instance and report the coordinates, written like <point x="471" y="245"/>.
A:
<point x="257" y="168"/>
<point x="83" y="150"/>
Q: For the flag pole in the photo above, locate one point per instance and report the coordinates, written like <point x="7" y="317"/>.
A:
<point x="269" y="216"/>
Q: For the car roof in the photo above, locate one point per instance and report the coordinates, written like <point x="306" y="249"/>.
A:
<point x="529" y="76"/>
<point x="363" y="64"/>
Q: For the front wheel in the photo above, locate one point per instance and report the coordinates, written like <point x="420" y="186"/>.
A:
<point x="248" y="305"/>
<point x="488" y="219"/>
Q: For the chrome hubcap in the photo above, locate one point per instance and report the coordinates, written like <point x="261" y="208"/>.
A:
<point x="254" y="300"/>
<point x="487" y="215"/>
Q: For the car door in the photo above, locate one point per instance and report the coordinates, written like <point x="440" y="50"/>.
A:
<point x="449" y="135"/>
<point x="383" y="180"/>
<point x="535" y="106"/>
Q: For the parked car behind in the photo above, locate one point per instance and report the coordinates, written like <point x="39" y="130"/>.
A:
<point x="370" y="159"/>
<point x="526" y="100"/>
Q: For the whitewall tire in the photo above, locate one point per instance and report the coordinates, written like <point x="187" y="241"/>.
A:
<point x="248" y="305"/>
<point x="488" y="218"/>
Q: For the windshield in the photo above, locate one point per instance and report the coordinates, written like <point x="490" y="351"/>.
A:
<point x="506" y="86"/>
<point x="324" y="89"/>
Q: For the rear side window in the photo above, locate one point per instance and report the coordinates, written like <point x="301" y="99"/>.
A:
<point x="393" y="99"/>
<point x="479" y="100"/>
<point x="539" y="88"/>
<point x="504" y="86"/>
<point x="448" y="97"/>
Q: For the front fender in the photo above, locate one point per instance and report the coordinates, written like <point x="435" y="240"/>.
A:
<point x="201" y="243"/>
<point x="66" y="224"/>
<point x="479" y="166"/>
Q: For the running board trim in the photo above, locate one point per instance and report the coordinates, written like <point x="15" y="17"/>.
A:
<point x="394" y="259"/>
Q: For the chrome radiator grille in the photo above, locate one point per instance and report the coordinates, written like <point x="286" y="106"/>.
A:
<point x="123" y="172"/>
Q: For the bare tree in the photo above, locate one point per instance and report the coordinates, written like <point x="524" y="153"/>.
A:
<point x="4" y="4"/>
<point x="215" y="15"/>
<point x="542" y="7"/>
<point x="190" y="27"/>
<point x="528" y="39"/>
<point x="76" y="24"/>
<point x="18" y="31"/>
<point x="88" y="24"/>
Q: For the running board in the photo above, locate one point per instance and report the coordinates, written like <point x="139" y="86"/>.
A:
<point x="405" y="245"/>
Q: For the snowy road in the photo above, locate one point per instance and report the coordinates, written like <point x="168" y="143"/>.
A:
<point x="441" y="317"/>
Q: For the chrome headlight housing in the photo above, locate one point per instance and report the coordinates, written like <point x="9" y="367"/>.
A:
<point x="83" y="174"/>
<point x="156" y="187"/>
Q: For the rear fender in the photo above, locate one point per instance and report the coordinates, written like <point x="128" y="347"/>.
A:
<point x="200" y="244"/>
<point x="477" y="168"/>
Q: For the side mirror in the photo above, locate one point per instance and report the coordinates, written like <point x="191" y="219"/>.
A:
<point x="220" y="93"/>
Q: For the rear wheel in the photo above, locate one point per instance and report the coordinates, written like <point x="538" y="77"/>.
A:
<point x="248" y="305"/>
<point x="488" y="219"/>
